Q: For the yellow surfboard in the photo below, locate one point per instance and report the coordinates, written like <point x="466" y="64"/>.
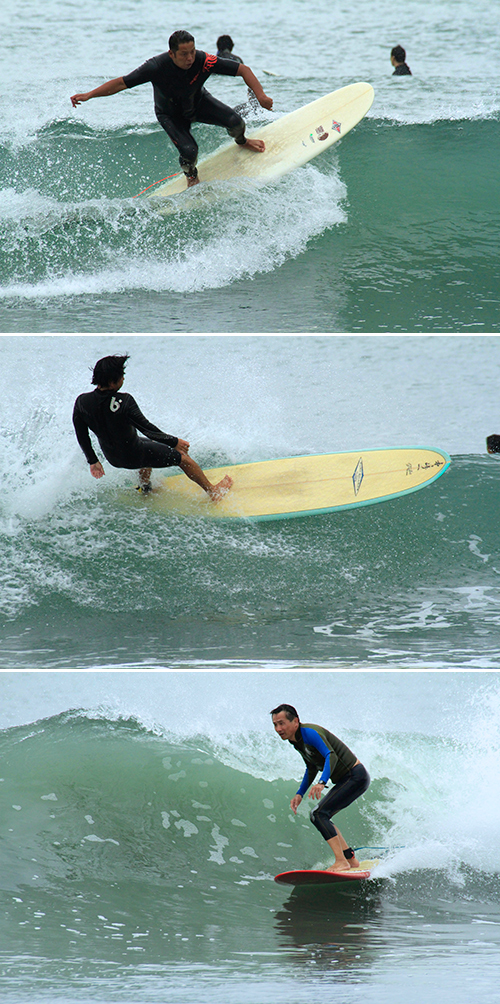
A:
<point x="305" y="486"/>
<point x="291" y="141"/>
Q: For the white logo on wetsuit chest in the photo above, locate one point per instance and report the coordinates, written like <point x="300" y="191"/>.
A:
<point x="114" y="405"/>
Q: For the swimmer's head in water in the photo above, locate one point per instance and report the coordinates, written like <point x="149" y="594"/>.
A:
<point x="225" y="42"/>
<point x="399" y="53"/>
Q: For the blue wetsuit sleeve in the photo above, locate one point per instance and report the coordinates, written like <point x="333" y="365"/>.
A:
<point x="306" y="781"/>
<point x="312" y="738"/>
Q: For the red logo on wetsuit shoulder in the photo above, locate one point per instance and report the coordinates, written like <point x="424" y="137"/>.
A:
<point x="209" y="62"/>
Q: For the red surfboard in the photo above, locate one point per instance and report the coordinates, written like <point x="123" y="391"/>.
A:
<point x="312" y="877"/>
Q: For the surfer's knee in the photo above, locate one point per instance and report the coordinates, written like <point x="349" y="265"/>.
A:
<point x="322" y="822"/>
<point x="236" y="128"/>
<point x="316" y="817"/>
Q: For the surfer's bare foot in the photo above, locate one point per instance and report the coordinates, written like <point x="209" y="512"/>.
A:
<point x="339" y="866"/>
<point x="192" y="181"/>
<point x="255" y="144"/>
<point x="218" y="491"/>
<point x="353" y="863"/>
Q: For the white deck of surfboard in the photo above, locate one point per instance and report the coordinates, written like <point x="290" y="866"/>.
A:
<point x="291" y="141"/>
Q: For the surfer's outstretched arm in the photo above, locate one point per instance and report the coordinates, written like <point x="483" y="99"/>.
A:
<point x="103" y="91"/>
<point x="254" y="85"/>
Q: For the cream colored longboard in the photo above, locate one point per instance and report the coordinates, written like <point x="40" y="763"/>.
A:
<point x="306" y="486"/>
<point x="290" y="141"/>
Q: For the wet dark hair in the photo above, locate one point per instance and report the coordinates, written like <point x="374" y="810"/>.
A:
<point x="225" y="42"/>
<point x="108" y="370"/>
<point x="289" y="710"/>
<point x="178" y="38"/>
<point x="399" y="53"/>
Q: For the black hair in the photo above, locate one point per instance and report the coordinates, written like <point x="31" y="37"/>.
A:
<point x="290" y="711"/>
<point x="225" y="42"/>
<point x="178" y="38"/>
<point x="108" y="370"/>
<point x="399" y="53"/>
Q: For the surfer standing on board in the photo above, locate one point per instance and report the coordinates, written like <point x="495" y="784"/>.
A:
<point x="114" y="418"/>
<point x="322" y="751"/>
<point x="180" y="98"/>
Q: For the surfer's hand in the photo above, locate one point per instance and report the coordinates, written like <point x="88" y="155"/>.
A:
<point x="77" y="99"/>
<point x="265" y="101"/>
<point x="182" y="446"/>
<point x="97" y="470"/>
<point x="294" y="804"/>
<point x="317" y="791"/>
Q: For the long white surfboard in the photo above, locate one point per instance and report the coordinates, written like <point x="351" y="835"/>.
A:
<point x="291" y="141"/>
<point x="305" y="486"/>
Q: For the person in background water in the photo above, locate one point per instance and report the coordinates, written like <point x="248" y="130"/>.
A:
<point x="225" y="48"/>
<point x="114" y="417"/>
<point x="398" y="57"/>
<point x="322" y="751"/>
<point x="225" y="51"/>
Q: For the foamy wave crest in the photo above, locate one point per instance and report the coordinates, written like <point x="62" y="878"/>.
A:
<point x="237" y="236"/>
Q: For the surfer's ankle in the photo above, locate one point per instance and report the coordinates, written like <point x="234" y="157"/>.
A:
<point x="217" y="492"/>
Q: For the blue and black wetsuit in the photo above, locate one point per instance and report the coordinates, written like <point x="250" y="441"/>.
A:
<point x="114" y="417"/>
<point x="180" y="99"/>
<point x="322" y="751"/>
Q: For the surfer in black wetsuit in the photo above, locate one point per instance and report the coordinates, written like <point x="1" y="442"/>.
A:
<point x="398" y="57"/>
<point x="225" y="46"/>
<point x="178" y="77"/>
<point x="114" y="417"/>
<point x="322" y="751"/>
<point x="225" y="49"/>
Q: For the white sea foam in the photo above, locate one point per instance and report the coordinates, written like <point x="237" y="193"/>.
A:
<point x="245" y="234"/>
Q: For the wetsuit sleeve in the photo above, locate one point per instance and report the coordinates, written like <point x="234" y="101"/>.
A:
<point x="135" y="416"/>
<point x="312" y="738"/>
<point x="141" y="75"/>
<point x="307" y="780"/>
<point x="82" y="435"/>
<point x="225" y="67"/>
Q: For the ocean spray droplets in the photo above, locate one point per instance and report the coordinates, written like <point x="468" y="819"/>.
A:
<point x="80" y="247"/>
